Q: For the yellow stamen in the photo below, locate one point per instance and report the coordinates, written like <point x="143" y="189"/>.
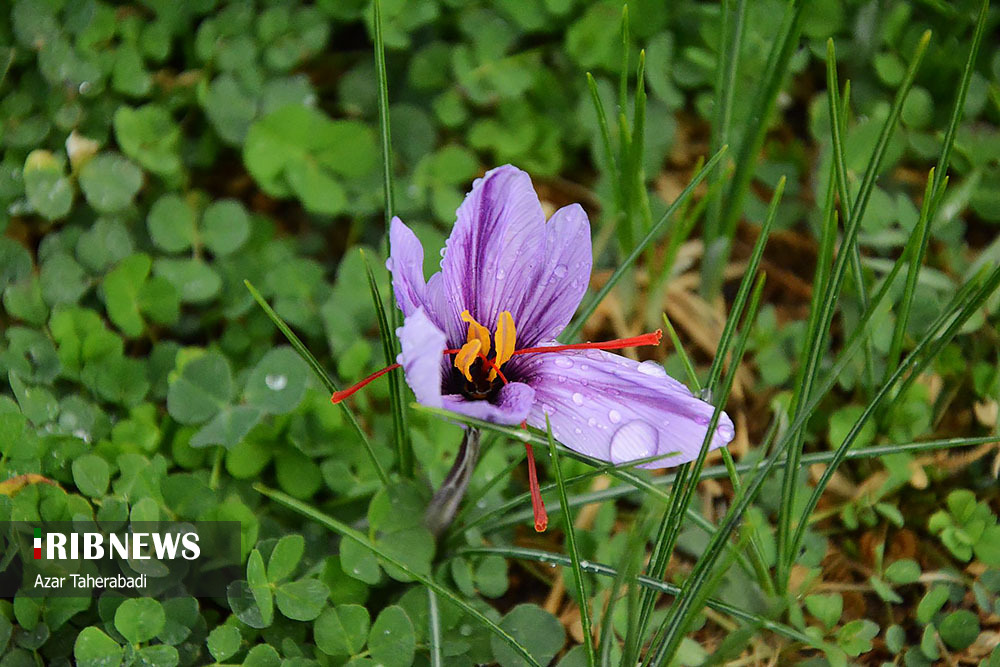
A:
<point x="506" y="337"/>
<point x="477" y="332"/>
<point x="465" y="357"/>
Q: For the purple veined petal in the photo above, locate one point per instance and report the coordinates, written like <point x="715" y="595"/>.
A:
<point x="406" y="263"/>
<point x="495" y="254"/>
<point x="564" y="277"/>
<point x="422" y="357"/>
<point x="514" y="401"/>
<point x="618" y="410"/>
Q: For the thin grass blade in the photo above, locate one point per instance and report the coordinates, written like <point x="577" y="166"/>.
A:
<point x="397" y="405"/>
<point x="574" y="328"/>
<point x="347" y="532"/>
<point x="571" y="547"/>
<point x="320" y="373"/>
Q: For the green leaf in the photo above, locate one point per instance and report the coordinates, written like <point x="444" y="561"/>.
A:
<point x="149" y="136"/>
<point x="285" y="557"/>
<point x="121" y="293"/>
<point x="171" y="223"/>
<point x="159" y="655"/>
<point x="359" y="563"/>
<point x="110" y="182"/>
<point x="987" y="548"/>
<point x="277" y="383"/>
<point x="203" y="387"/>
<point x="226" y="226"/>
<point x="194" y="280"/>
<point x="224" y="641"/>
<point x="91" y="474"/>
<point x="228" y="427"/>
<point x="62" y="279"/>
<point x="931" y="603"/>
<point x="48" y="189"/>
<point x="534" y="628"/>
<point x="299" y="150"/>
<point x="259" y="587"/>
<point x="855" y="637"/>
<point x="93" y="648"/>
<point x="959" y="629"/>
<point x="343" y="630"/>
<point x="140" y="619"/>
<point x="903" y="571"/>
<point x="302" y="600"/>
<point x="827" y="608"/>
<point x="392" y="641"/>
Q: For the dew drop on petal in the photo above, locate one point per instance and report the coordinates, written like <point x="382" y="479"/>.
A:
<point x="563" y="362"/>
<point x="614" y="416"/>
<point x="276" y="382"/>
<point x="578" y="398"/>
<point x="560" y="270"/>
<point x="501" y="274"/>
<point x="389" y="264"/>
<point x="652" y="369"/>
<point x="591" y="422"/>
<point x="635" y="440"/>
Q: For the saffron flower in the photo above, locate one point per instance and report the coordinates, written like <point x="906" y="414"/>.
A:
<point x="478" y="338"/>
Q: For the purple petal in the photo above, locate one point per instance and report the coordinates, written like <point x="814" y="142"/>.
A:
<point x="563" y="279"/>
<point x="406" y="262"/>
<point x="615" y="409"/>
<point x="513" y="404"/>
<point x="422" y="357"/>
<point x="494" y="256"/>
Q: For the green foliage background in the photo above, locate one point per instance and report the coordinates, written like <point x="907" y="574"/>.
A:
<point x="159" y="153"/>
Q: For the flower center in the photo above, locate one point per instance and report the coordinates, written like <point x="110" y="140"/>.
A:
<point x="481" y="377"/>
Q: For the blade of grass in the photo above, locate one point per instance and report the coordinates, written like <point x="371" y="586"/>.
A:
<point x="383" y="113"/>
<point x="539" y="556"/>
<point x="912" y="272"/>
<point x="831" y="293"/>
<point x="838" y="127"/>
<point x="727" y="384"/>
<point x="574" y="328"/>
<point x="320" y="373"/>
<point x="939" y="179"/>
<point x="346" y="531"/>
<point x="915" y="362"/>
<point x="434" y="629"/>
<point x="718" y="234"/>
<point x="397" y="406"/>
<point x="730" y="45"/>
<point x="581" y="589"/>
<point x="512" y="518"/>
<point x="686" y="490"/>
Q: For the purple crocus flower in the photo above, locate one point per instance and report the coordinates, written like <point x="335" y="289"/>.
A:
<point x="478" y="338"/>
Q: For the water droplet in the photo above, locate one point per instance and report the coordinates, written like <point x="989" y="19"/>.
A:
<point x="614" y="416"/>
<point x="442" y="251"/>
<point x="578" y="430"/>
<point x="563" y="362"/>
<point x="652" y="369"/>
<point x="389" y="264"/>
<point x="591" y="422"/>
<point x="584" y="367"/>
<point x="560" y="270"/>
<point x="85" y="87"/>
<point x="82" y="434"/>
<point x="578" y="398"/>
<point x="276" y="382"/>
<point x="635" y="440"/>
<point x="501" y="274"/>
<point x="465" y="630"/>
<point x="549" y="409"/>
